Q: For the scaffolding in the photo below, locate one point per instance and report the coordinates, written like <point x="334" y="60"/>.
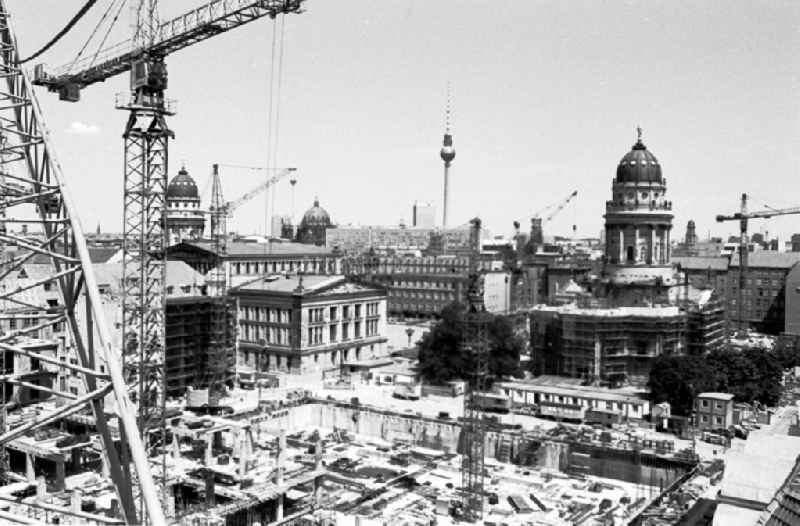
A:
<point x="200" y="342"/>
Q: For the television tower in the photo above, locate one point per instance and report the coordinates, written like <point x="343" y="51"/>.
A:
<point x="447" y="153"/>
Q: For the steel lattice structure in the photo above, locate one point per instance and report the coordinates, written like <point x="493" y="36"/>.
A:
<point x="476" y="343"/>
<point x="474" y="427"/>
<point x="32" y="191"/>
<point x="143" y="260"/>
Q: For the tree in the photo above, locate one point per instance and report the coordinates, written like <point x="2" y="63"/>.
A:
<point x="678" y="380"/>
<point x="750" y="375"/>
<point x="443" y="357"/>
<point x="787" y="352"/>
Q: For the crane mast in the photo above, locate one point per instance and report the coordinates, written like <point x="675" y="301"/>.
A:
<point x="475" y="342"/>
<point x="146" y="156"/>
<point x="32" y="191"/>
<point x="743" y="216"/>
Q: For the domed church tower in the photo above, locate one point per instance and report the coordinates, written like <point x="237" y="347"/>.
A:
<point x="638" y="221"/>
<point x="316" y="221"/>
<point x="185" y="219"/>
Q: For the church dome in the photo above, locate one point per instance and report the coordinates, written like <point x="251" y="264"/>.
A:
<point x="182" y="186"/>
<point x="316" y="216"/>
<point x="639" y="166"/>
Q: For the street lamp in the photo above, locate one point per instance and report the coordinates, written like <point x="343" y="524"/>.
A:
<point x="409" y="333"/>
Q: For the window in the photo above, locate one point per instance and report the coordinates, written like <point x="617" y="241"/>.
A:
<point x="332" y="333"/>
<point x="345" y="331"/>
<point x="333" y="313"/>
<point x="358" y="310"/>
<point x="704" y="419"/>
<point x="346" y="312"/>
<point x="357" y="330"/>
<point x="718" y="420"/>
<point x="704" y="403"/>
<point x="718" y="405"/>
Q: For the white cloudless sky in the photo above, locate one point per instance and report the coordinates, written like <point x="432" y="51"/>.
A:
<point x="547" y="97"/>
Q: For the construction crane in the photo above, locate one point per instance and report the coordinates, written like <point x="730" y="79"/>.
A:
<point x="537" y="221"/>
<point x="743" y="216"/>
<point x="146" y="146"/>
<point x="220" y="210"/>
<point x="558" y="205"/>
<point x="33" y="191"/>
<point x="475" y="342"/>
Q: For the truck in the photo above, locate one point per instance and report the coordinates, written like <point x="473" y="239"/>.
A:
<point x="406" y="391"/>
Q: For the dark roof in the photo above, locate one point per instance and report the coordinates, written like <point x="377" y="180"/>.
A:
<point x="639" y="166"/>
<point x="701" y="262"/>
<point x="182" y="186"/>
<point x="240" y="249"/>
<point x="768" y="259"/>
<point x="316" y="216"/>
<point x="102" y="254"/>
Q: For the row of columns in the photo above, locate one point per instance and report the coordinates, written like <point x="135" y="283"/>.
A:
<point x="655" y="257"/>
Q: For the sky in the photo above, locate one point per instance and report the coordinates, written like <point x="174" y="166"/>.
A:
<point x="546" y="98"/>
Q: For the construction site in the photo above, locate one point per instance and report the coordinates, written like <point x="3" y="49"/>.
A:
<point x="128" y="399"/>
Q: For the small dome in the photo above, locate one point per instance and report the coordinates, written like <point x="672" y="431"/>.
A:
<point x="316" y="216"/>
<point x="182" y="186"/>
<point x="639" y="166"/>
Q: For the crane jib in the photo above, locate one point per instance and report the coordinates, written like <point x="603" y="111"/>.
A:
<point x="195" y="26"/>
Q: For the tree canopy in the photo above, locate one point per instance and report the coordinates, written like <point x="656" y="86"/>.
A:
<point x="443" y="357"/>
<point x="749" y="375"/>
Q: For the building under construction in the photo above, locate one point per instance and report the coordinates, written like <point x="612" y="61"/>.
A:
<point x="200" y="346"/>
<point x="610" y="326"/>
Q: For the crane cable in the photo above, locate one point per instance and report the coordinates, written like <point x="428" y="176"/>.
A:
<point x="108" y="32"/>
<point x="75" y="19"/>
<point x="269" y="122"/>
<point x="273" y="118"/>
<point x="94" y="32"/>
<point x="278" y="106"/>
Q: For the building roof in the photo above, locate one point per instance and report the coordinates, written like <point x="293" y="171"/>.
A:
<point x="316" y="216"/>
<point x="619" y="312"/>
<point x="290" y="283"/>
<point x="768" y="259"/>
<point x="701" y="262"/>
<point x="243" y="248"/>
<point x="305" y="284"/>
<point x="757" y="468"/>
<point x="182" y="186"/>
<point x="716" y="396"/>
<point x="594" y="393"/>
<point x="639" y="166"/>
<point x="178" y="274"/>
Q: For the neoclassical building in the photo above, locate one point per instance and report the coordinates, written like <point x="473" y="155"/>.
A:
<point x="185" y="219"/>
<point x="638" y="222"/>
<point x="611" y="327"/>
